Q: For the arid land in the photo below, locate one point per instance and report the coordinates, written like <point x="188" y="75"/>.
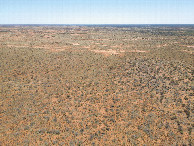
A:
<point x="96" y="85"/>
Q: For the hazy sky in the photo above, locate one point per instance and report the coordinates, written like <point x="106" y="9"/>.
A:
<point x="96" y="11"/>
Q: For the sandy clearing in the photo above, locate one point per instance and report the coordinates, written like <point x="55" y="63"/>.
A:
<point x="116" y="46"/>
<point x="190" y="46"/>
<point x="187" y="46"/>
<point x="115" y="52"/>
<point x="86" y="47"/>
<point x="75" y="44"/>
<point x="18" y="46"/>
<point x="137" y="51"/>
<point x="50" y="48"/>
<point x="110" y="51"/>
<point x="63" y="48"/>
<point x="164" y="45"/>
<point x="56" y="50"/>
<point x="77" y="34"/>
<point x="190" y="52"/>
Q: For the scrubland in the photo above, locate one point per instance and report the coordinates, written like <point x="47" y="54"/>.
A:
<point x="96" y="85"/>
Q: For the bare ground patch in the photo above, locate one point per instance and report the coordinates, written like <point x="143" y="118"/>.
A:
<point x="49" y="48"/>
<point x="106" y="52"/>
<point x="190" y="46"/>
<point x="63" y="48"/>
<point x="164" y="45"/>
<point x="75" y="44"/>
<point x="116" y="52"/>
<point x="190" y="52"/>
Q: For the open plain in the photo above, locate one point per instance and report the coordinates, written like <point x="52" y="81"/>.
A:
<point x="96" y="85"/>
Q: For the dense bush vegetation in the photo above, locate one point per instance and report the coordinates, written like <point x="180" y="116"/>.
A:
<point x="56" y="91"/>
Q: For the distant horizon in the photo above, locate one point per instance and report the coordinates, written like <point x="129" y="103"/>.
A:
<point x="100" y="24"/>
<point x="96" y="12"/>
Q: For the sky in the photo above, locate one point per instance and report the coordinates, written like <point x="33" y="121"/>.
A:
<point x="96" y="11"/>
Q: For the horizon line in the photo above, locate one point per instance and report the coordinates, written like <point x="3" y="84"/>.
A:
<point x="99" y="24"/>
